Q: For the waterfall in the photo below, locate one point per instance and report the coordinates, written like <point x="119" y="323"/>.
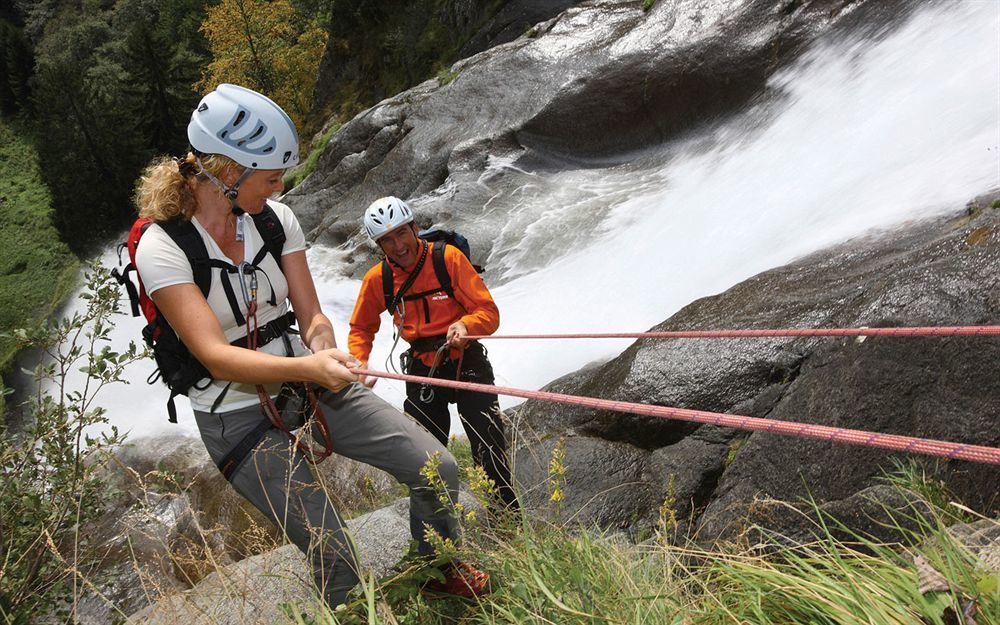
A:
<point x="858" y="135"/>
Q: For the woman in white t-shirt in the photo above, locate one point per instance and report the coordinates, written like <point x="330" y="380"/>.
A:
<point x="241" y="143"/>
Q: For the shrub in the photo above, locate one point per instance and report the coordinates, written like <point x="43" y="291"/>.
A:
<point x="299" y="174"/>
<point x="51" y="482"/>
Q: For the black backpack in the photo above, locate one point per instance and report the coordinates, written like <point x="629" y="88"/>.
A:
<point x="445" y="237"/>
<point x="176" y="366"/>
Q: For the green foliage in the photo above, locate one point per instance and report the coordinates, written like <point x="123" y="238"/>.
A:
<point x="17" y="61"/>
<point x="51" y="482"/>
<point x="733" y="450"/>
<point x="915" y="476"/>
<point x="161" y="69"/>
<point x="446" y="75"/>
<point x="549" y="574"/>
<point x="461" y="449"/>
<point x="37" y="270"/>
<point x="307" y="167"/>
<point x="381" y="48"/>
<point x="112" y="89"/>
<point x="266" y="46"/>
<point x="647" y="5"/>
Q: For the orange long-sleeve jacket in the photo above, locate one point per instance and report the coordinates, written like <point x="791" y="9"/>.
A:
<point x="472" y="304"/>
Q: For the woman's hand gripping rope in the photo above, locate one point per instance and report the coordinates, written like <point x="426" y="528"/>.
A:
<point x="332" y="368"/>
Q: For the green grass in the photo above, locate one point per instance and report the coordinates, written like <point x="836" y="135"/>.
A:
<point x="445" y="75"/>
<point x="37" y="270"/>
<point x="545" y="573"/>
<point x="309" y="165"/>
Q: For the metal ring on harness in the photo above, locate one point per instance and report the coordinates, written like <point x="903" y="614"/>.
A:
<point x="426" y="390"/>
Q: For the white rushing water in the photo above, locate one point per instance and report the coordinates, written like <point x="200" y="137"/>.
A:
<point x="862" y="135"/>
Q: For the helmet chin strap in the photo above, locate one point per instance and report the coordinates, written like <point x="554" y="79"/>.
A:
<point x="229" y="192"/>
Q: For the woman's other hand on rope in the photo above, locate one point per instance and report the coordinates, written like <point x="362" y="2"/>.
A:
<point x="332" y="369"/>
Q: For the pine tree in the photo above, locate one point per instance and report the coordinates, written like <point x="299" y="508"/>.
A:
<point x="16" y="68"/>
<point x="113" y="88"/>
<point x="162" y="69"/>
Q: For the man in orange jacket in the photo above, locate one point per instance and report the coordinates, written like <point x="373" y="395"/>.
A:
<point x="437" y="299"/>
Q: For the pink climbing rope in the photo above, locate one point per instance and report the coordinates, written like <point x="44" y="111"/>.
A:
<point x="715" y="334"/>
<point x="894" y="442"/>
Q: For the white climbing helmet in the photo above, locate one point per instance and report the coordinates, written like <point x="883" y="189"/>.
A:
<point x="385" y="214"/>
<point x="245" y="126"/>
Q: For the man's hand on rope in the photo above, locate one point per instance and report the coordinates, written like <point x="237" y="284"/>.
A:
<point x="456" y="335"/>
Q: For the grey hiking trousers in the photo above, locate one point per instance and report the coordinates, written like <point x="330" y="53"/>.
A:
<point x="276" y="478"/>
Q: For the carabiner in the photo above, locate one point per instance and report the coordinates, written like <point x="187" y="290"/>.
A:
<point x="426" y="390"/>
<point x="245" y="268"/>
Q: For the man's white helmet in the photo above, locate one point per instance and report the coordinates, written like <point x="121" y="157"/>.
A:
<point x="245" y="126"/>
<point x="385" y="214"/>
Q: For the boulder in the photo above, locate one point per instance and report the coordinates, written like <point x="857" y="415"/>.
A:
<point x="982" y="539"/>
<point x="938" y="273"/>
<point x="263" y="588"/>
<point x="179" y="520"/>
<point x="257" y="590"/>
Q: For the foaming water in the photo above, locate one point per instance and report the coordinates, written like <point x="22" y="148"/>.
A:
<point x="858" y="135"/>
<point x="868" y="135"/>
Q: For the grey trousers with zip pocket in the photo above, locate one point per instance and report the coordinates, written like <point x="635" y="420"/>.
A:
<point x="276" y="478"/>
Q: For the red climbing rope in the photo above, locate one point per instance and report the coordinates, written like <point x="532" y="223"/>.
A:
<point x="908" y="444"/>
<point x="716" y="334"/>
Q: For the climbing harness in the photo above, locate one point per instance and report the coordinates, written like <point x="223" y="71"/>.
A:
<point x="312" y="453"/>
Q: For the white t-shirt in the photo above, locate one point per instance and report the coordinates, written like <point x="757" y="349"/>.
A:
<point x="161" y="263"/>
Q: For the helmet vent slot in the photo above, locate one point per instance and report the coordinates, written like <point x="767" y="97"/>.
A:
<point x="245" y="126"/>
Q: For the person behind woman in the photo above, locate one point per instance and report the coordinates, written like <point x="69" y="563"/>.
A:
<point x="241" y="143"/>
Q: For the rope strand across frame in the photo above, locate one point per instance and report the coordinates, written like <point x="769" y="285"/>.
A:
<point x="893" y="442"/>
<point x="718" y="334"/>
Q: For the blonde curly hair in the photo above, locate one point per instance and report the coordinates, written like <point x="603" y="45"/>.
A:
<point x="166" y="188"/>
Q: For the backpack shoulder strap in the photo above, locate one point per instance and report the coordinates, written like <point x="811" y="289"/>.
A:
<point x="269" y="226"/>
<point x="393" y="298"/>
<point x="186" y="236"/>
<point x="444" y="279"/>
<point x="387" y="285"/>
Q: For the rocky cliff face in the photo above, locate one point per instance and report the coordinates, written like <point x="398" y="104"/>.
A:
<point x="412" y="37"/>
<point x="621" y="467"/>
<point x="588" y="87"/>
